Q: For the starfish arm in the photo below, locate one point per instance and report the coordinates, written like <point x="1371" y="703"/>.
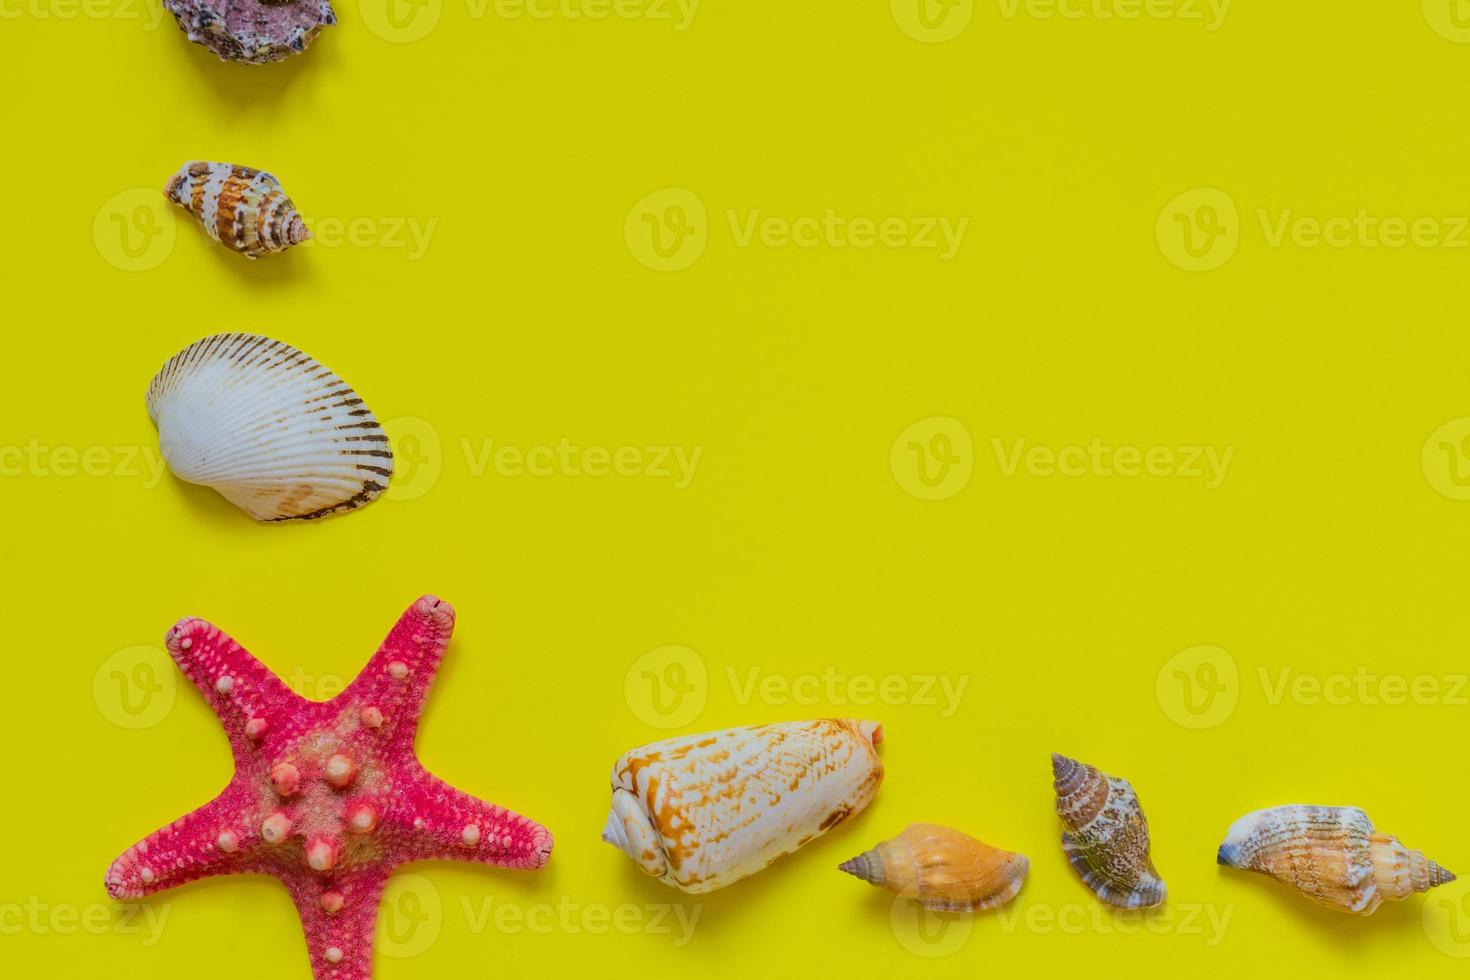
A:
<point x="339" y="915"/>
<point x="435" y="821"/>
<point x="396" y="680"/>
<point x="209" y="841"/>
<point x="242" y="691"/>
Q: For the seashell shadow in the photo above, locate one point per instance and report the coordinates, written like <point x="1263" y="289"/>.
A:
<point x="206" y="504"/>
<point x="1392" y="922"/>
<point x="740" y="905"/>
<point x="266" y="272"/>
<point x="239" y="85"/>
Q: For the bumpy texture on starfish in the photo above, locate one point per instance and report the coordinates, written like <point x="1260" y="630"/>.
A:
<point x="327" y="796"/>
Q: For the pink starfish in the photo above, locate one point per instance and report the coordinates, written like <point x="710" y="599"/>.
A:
<point x="327" y="796"/>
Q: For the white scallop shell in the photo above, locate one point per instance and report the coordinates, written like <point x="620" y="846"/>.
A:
<point x="702" y="811"/>
<point x="274" y="431"/>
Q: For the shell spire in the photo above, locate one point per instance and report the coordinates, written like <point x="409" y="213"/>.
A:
<point x="941" y="869"/>
<point x="703" y="811"/>
<point x="1331" y="854"/>
<point x="243" y="209"/>
<point x="868" y="866"/>
<point x="1106" y="840"/>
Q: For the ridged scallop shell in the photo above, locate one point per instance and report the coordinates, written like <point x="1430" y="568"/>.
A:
<point x="703" y="811"/>
<point x="1107" y="835"/>
<point x="1331" y="854"/>
<point x="252" y="31"/>
<point x="243" y="209"/>
<point x="942" y="869"/>
<point x="274" y="431"/>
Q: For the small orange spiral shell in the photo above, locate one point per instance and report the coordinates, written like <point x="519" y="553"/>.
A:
<point x="942" y="869"/>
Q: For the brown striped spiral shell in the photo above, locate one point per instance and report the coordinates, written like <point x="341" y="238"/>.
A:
<point x="243" y="209"/>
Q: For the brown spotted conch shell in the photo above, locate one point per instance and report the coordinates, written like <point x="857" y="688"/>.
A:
<point x="702" y="811"/>
<point x="942" y="869"/>
<point x="1331" y="854"/>
<point x="243" y="209"/>
<point x="1106" y="839"/>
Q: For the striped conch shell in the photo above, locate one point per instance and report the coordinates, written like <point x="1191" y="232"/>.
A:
<point x="702" y="811"/>
<point x="942" y="869"/>
<point x="1106" y="840"/>
<point x="274" y="431"/>
<point x="252" y="31"/>
<point x="244" y="210"/>
<point x="1331" y="854"/>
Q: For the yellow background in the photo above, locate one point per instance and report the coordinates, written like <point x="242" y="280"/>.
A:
<point x="1332" y="543"/>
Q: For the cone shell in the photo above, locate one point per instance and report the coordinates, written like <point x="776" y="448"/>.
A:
<point x="252" y="31"/>
<point x="272" y="430"/>
<point x="244" y="210"/>
<point x="1331" y="854"/>
<point x="942" y="869"/>
<point x="1106" y="840"/>
<point x="702" y="811"/>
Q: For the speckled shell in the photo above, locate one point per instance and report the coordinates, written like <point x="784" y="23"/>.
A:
<point x="274" y="431"/>
<point x="703" y="811"/>
<point x="942" y="869"/>
<point x="1331" y="854"/>
<point x="252" y="31"/>
<point x="244" y="210"/>
<point x="1106" y="839"/>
